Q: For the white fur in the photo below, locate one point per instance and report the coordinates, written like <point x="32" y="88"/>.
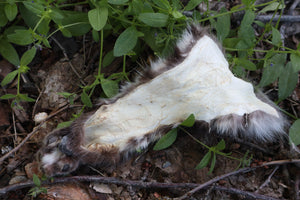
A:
<point x="51" y="158"/>
<point x="202" y="84"/>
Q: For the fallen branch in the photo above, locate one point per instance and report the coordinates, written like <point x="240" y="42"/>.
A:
<point x="137" y="184"/>
<point x="155" y="185"/>
<point x="244" y="193"/>
<point x="244" y="170"/>
<point x="283" y="18"/>
<point x="268" y="179"/>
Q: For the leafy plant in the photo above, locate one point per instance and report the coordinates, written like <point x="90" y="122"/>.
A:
<point x="136" y="24"/>
<point x="38" y="189"/>
<point x="210" y="157"/>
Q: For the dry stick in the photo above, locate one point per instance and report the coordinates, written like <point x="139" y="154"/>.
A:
<point x="211" y="181"/>
<point x="283" y="18"/>
<point x="268" y="179"/>
<point x="141" y="184"/>
<point x="244" y="170"/>
<point x="31" y="134"/>
<point x="129" y="183"/>
<point x="244" y="193"/>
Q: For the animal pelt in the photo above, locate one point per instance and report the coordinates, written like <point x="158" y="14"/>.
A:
<point x="195" y="80"/>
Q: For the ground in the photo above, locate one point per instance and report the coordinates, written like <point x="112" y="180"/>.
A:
<point x="272" y="173"/>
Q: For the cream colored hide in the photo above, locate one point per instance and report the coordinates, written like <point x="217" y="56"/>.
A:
<point x="197" y="81"/>
<point x="201" y="85"/>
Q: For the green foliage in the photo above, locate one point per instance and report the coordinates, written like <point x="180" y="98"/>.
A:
<point x="294" y="132"/>
<point x="287" y="81"/>
<point x="126" y="41"/>
<point x="167" y="140"/>
<point x="69" y="96"/>
<point x="210" y="156"/>
<point x="35" y="191"/>
<point x="155" y="23"/>
<point x="110" y="88"/>
<point x="98" y="17"/>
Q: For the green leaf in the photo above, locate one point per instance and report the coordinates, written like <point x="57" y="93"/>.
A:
<point x="8" y="96"/>
<point x="294" y="132"/>
<point x="65" y="32"/>
<point x="126" y="41"/>
<point x="86" y="99"/>
<point x="64" y="124"/>
<point x="36" y="8"/>
<point x="230" y="42"/>
<point x="223" y="26"/>
<point x="110" y="88"/>
<point x="21" y="37"/>
<point x="108" y="58"/>
<point x="77" y="23"/>
<point x="117" y="2"/>
<point x="11" y="11"/>
<point x="164" y="4"/>
<point x="9" y="77"/>
<point x="44" y="26"/>
<point x="272" y="7"/>
<point x="166" y="140"/>
<point x="176" y="14"/>
<point x="189" y="122"/>
<point x="276" y="36"/>
<point x="154" y="19"/>
<point x="220" y="146"/>
<point x="192" y="4"/>
<point x="9" y="53"/>
<point x="36" y="180"/>
<point x="30" y="18"/>
<point x="273" y="67"/>
<point x="212" y="164"/>
<point x="3" y="18"/>
<point x="295" y="59"/>
<point x="205" y="160"/>
<point x="98" y="17"/>
<point x="56" y="14"/>
<point x="28" y="56"/>
<point x="245" y="63"/>
<point x="24" y="97"/>
<point x="248" y="3"/>
<point x="288" y="80"/>
<point x="246" y="32"/>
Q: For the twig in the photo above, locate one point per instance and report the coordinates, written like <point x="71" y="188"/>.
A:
<point x="141" y="184"/>
<point x="129" y="183"/>
<point x="31" y="134"/>
<point x="244" y="170"/>
<point x="244" y="193"/>
<point x="211" y="181"/>
<point x="100" y="179"/>
<point x="293" y="7"/>
<point x="268" y="179"/>
<point x="35" y="104"/>
<point x="14" y="125"/>
<point x="283" y="18"/>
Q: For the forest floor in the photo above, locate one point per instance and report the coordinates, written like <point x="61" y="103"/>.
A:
<point x="165" y="174"/>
